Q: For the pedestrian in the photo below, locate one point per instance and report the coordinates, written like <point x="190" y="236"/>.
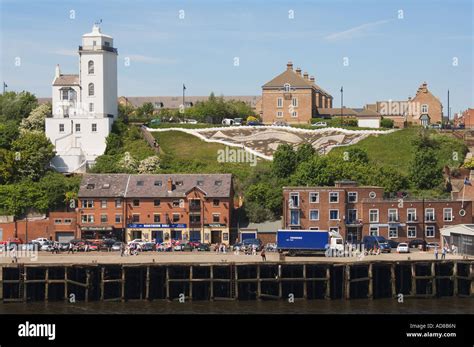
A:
<point x="264" y="258"/>
<point x="436" y="253"/>
<point x="13" y="255"/>
<point x="70" y="248"/>
<point x="443" y="253"/>
<point x="254" y="250"/>
<point x="122" y="249"/>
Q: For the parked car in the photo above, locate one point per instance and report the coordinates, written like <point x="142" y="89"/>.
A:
<point x="137" y="241"/>
<point x="371" y="241"/>
<point x="254" y="123"/>
<point x="40" y="240"/>
<point x="148" y="247"/>
<point x="271" y="247"/>
<point x="250" y="242"/>
<point x="227" y="121"/>
<point x="432" y="245"/>
<point x="63" y="246"/>
<point x="403" y="248"/>
<point x="164" y="247"/>
<point x="280" y="123"/>
<point x="107" y="244"/>
<point x="203" y="247"/>
<point x="238" y="121"/>
<point x="47" y="246"/>
<point x="435" y="126"/>
<point x="320" y="124"/>
<point x="116" y="246"/>
<point x="392" y="243"/>
<point x="416" y="242"/>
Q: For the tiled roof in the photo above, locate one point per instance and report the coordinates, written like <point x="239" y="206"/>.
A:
<point x="66" y="80"/>
<point x="144" y="186"/>
<point x="294" y="80"/>
<point x="175" y="101"/>
<point x="336" y="111"/>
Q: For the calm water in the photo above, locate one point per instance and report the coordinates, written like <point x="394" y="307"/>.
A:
<point x="379" y="306"/>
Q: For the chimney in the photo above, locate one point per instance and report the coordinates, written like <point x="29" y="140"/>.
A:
<point x="312" y="79"/>
<point x="305" y="76"/>
<point x="170" y="184"/>
<point x="298" y="71"/>
<point x="289" y="65"/>
<point x="57" y="72"/>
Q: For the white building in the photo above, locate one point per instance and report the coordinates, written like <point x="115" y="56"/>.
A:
<point x="84" y="105"/>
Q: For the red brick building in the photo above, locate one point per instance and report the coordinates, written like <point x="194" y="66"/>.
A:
<point x="59" y="226"/>
<point x="195" y="207"/>
<point x="355" y="211"/>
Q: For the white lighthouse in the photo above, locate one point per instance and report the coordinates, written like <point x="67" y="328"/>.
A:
<point x="84" y="105"/>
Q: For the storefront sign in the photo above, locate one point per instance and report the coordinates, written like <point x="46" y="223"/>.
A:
<point x="140" y="226"/>
<point x="215" y="225"/>
<point x="97" y="228"/>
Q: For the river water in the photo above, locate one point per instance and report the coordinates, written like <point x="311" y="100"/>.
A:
<point x="359" y="306"/>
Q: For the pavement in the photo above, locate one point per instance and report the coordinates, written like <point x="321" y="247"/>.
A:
<point x="205" y="258"/>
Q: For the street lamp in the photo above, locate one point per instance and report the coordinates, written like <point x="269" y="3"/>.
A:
<point x="342" y="103"/>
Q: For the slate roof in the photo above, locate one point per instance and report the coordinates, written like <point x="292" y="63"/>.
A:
<point x="294" y="80"/>
<point x="125" y="185"/>
<point x="66" y="80"/>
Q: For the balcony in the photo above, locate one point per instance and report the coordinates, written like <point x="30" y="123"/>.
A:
<point x="354" y="222"/>
<point x="194" y="207"/>
<point x="412" y="220"/>
<point x="430" y="220"/>
<point x="98" y="48"/>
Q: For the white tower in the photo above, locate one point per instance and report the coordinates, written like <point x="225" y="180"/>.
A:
<point x="84" y="105"/>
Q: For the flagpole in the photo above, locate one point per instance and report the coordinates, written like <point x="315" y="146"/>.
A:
<point x="463" y="191"/>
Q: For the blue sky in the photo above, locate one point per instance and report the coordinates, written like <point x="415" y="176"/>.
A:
<point x="388" y="57"/>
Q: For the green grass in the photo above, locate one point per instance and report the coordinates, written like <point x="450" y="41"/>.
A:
<point x="396" y="149"/>
<point x="134" y="143"/>
<point x="186" y="125"/>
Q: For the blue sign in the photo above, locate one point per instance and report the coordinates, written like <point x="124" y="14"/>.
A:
<point x="139" y="226"/>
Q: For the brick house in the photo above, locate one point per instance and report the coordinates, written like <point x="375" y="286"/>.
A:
<point x="292" y="97"/>
<point x="423" y="109"/>
<point x="355" y="211"/>
<point x="195" y="207"/>
<point x="466" y="118"/>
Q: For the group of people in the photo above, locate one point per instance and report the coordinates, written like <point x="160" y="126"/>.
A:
<point x="252" y="250"/>
<point x="131" y="249"/>
<point x="220" y="248"/>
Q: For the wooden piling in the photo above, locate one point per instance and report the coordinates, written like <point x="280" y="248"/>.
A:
<point x="167" y="283"/>
<point x="190" y="282"/>
<point x="147" y="288"/>
<point x="393" y="281"/>
<point x="370" y="291"/>
<point x="88" y="277"/>
<point x="327" y="295"/>
<point x="433" y="279"/>
<point x="280" y="288"/>
<point x="413" y="280"/>
<point x="46" y="285"/>
<point x="122" y="295"/>
<point x="102" y="283"/>
<point x="305" y="283"/>
<point x="66" y="297"/>
<point x="259" y="283"/>
<point x="211" y="286"/>
<point x="347" y="281"/>
<point x="471" y="275"/>
<point x="455" y="279"/>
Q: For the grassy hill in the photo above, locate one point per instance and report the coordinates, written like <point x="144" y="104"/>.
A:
<point x="396" y="149"/>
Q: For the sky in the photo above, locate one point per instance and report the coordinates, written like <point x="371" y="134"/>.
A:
<point x="377" y="50"/>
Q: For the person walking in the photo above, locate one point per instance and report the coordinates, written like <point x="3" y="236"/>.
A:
<point x="264" y="257"/>
<point x="443" y="253"/>
<point x="13" y="255"/>
<point x="70" y="248"/>
<point x="122" y="249"/>
<point x="436" y="253"/>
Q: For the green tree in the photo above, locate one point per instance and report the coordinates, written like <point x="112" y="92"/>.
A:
<point x="8" y="133"/>
<point x="284" y="161"/>
<point x="315" y="172"/>
<point x="386" y="123"/>
<point x="36" y="120"/>
<point x="7" y="166"/>
<point x="35" y="153"/>
<point x="305" y="152"/>
<point x="355" y="154"/>
<point x="424" y="172"/>
<point x="16" y="106"/>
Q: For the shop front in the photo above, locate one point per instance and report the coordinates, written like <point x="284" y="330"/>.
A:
<point x="216" y="233"/>
<point x="101" y="232"/>
<point x="157" y="233"/>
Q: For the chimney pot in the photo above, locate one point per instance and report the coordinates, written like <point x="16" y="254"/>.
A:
<point x="289" y="65"/>
<point x="298" y="71"/>
<point x="312" y="79"/>
<point x="170" y="184"/>
<point x="305" y="75"/>
<point x="57" y="71"/>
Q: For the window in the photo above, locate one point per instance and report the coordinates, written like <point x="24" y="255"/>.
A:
<point x="393" y="232"/>
<point x="175" y="217"/>
<point x="294" y="114"/>
<point x="87" y="203"/>
<point x="314" y="214"/>
<point x="136" y="203"/>
<point x="158" y="183"/>
<point x="314" y="198"/>
<point x="411" y="231"/>
<point x="334" y="214"/>
<point x="91" y="107"/>
<point x="57" y="221"/>
<point x="352" y="197"/>
<point x="94" y="43"/>
<point x="140" y="183"/>
<point x="78" y="127"/>
<point x="424" y="108"/>
<point x="374" y="231"/>
<point x="430" y="231"/>
<point x="287" y="87"/>
<point x="156" y="202"/>
<point x="90" y="186"/>
<point x="351" y="216"/>
<point x="215" y="202"/>
<point x="178" y="183"/>
<point x="135" y="218"/>
<point x="279" y="114"/>
<point x="90" y="66"/>
<point x="67" y="221"/>
<point x="294" y="201"/>
<point x="103" y="218"/>
<point x="334" y="229"/>
<point x="64" y="94"/>
<point x="280" y="102"/>
<point x="94" y="127"/>
<point x="200" y="183"/>
<point x="313" y="228"/>
<point x="156" y="218"/>
<point x="294" y="102"/>
<point x="447" y="214"/>
<point x="175" y="203"/>
<point x="87" y="218"/>
<point x="429" y="215"/>
<point x="373" y="216"/>
<point x="218" y="183"/>
<point x="216" y="218"/>
<point x="411" y="215"/>
<point x="194" y="219"/>
<point x="118" y="218"/>
<point x="103" y="203"/>
<point x="118" y="203"/>
<point x="392" y="215"/>
<point x="294" y="217"/>
<point x="61" y="128"/>
<point x="91" y="89"/>
<point x="333" y="197"/>
<point x="107" y="43"/>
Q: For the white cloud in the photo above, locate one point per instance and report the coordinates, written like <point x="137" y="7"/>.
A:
<point x="356" y="31"/>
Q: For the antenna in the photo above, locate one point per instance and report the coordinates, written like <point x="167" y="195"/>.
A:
<point x="98" y="22"/>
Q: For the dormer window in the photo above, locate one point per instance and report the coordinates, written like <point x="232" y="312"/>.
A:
<point x="287" y="87"/>
<point x="200" y="183"/>
<point x="90" y="66"/>
<point x="140" y="183"/>
<point x="158" y="183"/>
<point x="218" y="183"/>
<point x="90" y="186"/>
<point x="106" y="186"/>
<point x="179" y="183"/>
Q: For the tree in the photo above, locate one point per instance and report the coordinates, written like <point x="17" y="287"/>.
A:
<point x="128" y="163"/>
<point x="125" y="112"/>
<point x="305" y="152"/>
<point x="386" y="123"/>
<point x="114" y="144"/>
<point x="35" y="152"/>
<point x="149" y="165"/>
<point x="35" y="121"/>
<point x="107" y="164"/>
<point x="8" y="133"/>
<point x="145" y="111"/>
<point x="315" y="172"/>
<point x="424" y="172"/>
<point x="7" y="166"/>
<point x="355" y="154"/>
<point x="16" y="106"/>
<point x="284" y="161"/>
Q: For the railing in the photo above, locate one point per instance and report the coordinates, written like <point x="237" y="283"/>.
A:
<point x="98" y="48"/>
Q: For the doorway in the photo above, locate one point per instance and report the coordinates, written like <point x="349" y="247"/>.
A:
<point x="216" y="236"/>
